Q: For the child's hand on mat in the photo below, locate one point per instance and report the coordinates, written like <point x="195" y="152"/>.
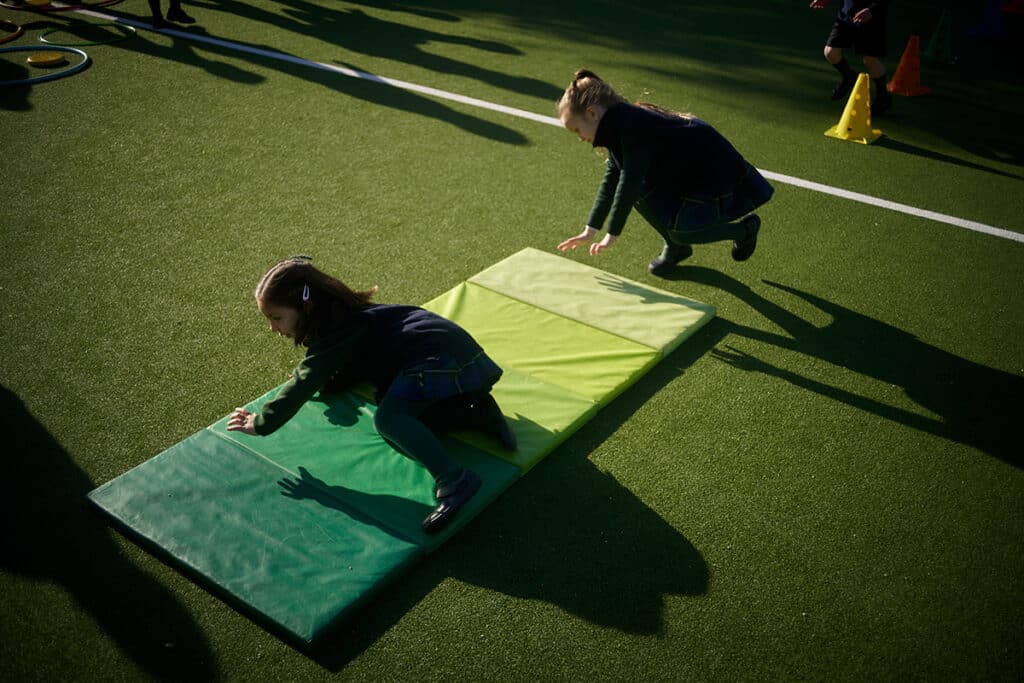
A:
<point x="580" y="239"/>
<point x="608" y="241"/>
<point x="819" y="4"/>
<point x="242" y="421"/>
<point x="862" y="17"/>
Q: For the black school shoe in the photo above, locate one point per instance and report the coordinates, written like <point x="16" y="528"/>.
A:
<point x="742" y="249"/>
<point x="843" y="88"/>
<point x="882" y="103"/>
<point x="450" y="499"/>
<point x="671" y="255"/>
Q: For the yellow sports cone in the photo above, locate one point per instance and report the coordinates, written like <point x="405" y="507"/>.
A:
<point x="855" y="123"/>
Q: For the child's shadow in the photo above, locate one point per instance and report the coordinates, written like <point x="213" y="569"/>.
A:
<point x="51" y="537"/>
<point x="335" y="496"/>
<point x="975" y="404"/>
<point x="571" y="535"/>
<point x="567" y="534"/>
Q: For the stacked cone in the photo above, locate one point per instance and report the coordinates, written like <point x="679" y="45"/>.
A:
<point x="907" y="79"/>
<point x="855" y="123"/>
<point x="940" y="46"/>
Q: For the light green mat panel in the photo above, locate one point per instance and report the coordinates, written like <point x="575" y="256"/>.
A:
<point x="301" y="527"/>
<point x="646" y="315"/>
<point x="557" y="350"/>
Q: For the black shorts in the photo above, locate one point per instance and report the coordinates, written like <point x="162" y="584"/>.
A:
<point x="868" y="38"/>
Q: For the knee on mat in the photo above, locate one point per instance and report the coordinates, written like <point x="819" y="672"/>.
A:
<point x="387" y="422"/>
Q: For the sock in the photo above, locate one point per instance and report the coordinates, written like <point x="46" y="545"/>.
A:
<point x="844" y="69"/>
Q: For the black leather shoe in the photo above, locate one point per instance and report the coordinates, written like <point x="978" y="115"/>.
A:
<point x="450" y="499"/>
<point x="843" y="88"/>
<point x="882" y="103"/>
<point x="670" y="256"/>
<point x="742" y="249"/>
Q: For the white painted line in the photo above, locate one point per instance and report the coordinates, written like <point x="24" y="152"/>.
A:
<point x="551" y="120"/>
<point x="344" y="71"/>
<point x="895" y="206"/>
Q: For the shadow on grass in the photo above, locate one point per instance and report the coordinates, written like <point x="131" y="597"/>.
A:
<point x="53" y="536"/>
<point x="216" y="59"/>
<point x="355" y="31"/>
<point x="975" y="405"/>
<point x="906" y="148"/>
<point x="568" y="535"/>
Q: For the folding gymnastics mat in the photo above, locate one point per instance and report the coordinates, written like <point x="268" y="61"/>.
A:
<point x="299" y="528"/>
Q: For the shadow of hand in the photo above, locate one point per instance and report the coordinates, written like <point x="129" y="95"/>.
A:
<point x="740" y="360"/>
<point x="306" y="486"/>
<point x="647" y="296"/>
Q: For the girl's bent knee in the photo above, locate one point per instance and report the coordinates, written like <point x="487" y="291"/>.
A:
<point x="384" y="421"/>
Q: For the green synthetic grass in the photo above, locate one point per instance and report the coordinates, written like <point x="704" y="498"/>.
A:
<point x="812" y="487"/>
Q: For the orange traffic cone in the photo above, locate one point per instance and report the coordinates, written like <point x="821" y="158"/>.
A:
<point x="907" y="79"/>
<point x="855" y="123"/>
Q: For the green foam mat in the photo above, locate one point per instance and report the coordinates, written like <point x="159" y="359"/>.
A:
<point x="644" y="314"/>
<point x="218" y="510"/>
<point x="300" y="527"/>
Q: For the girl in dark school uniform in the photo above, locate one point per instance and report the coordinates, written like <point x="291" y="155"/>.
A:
<point x="684" y="178"/>
<point x="429" y="374"/>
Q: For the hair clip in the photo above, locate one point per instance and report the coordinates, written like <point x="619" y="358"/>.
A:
<point x="305" y="293"/>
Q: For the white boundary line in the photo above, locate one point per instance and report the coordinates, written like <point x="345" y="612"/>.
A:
<point x="896" y="206"/>
<point x="550" y="120"/>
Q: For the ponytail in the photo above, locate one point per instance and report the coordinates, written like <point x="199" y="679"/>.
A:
<point x="586" y="90"/>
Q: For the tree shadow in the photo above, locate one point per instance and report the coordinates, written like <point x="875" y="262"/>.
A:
<point x="415" y="10"/>
<point x="200" y="49"/>
<point x="568" y="534"/>
<point x="52" y="536"/>
<point x="974" y="405"/>
<point x="373" y="37"/>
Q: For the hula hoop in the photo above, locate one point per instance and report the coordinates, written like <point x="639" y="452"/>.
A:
<point x="13" y="32"/>
<point x="126" y="32"/>
<point x="74" y="68"/>
<point x="56" y="7"/>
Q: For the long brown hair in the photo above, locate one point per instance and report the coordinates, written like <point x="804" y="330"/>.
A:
<point x="321" y="300"/>
<point x="587" y="89"/>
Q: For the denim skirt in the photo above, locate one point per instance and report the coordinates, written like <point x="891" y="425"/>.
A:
<point x="443" y="376"/>
<point x="698" y="210"/>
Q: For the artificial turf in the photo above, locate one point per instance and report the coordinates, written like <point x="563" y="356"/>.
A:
<point x="823" y="483"/>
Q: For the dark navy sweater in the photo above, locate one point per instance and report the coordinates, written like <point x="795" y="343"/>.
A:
<point x="649" y="151"/>
<point x="372" y="345"/>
